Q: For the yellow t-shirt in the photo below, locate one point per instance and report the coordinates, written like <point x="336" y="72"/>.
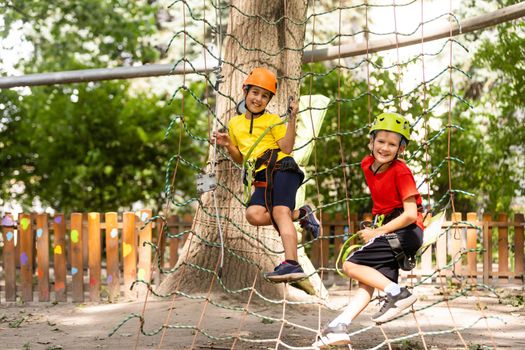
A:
<point x="239" y="131"/>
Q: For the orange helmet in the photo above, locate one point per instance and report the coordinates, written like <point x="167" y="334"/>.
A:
<point x="263" y="78"/>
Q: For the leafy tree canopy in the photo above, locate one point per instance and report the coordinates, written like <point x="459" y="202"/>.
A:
<point x="96" y="146"/>
<point x="91" y="147"/>
<point x="72" y="34"/>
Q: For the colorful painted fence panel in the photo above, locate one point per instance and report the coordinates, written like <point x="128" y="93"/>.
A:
<point x="98" y="256"/>
<point x="94" y="256"/>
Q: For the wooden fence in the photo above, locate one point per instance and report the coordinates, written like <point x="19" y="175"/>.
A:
<point x="97" y="254"/>
<point x="491" y="250"/>
<point x="69" y="257"/>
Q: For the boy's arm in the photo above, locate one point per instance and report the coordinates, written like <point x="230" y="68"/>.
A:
<point x="234" y="153"/>
<point x="223" y="139"/>
<point x="287" y="142"/>
<point x="409" y="216"/>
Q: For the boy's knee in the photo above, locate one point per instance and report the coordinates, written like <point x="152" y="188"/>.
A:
<point x="281" y="212"/>
<point x="347" y="268"/>
<point x="252" y="217"/>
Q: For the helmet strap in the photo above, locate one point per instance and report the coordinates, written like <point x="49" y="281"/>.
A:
<point x="252" y="116"/>
<point x="379" y="167"/>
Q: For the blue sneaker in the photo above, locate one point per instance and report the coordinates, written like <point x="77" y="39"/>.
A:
<point x="286" y="272"/>
<point x="309" y="222"/>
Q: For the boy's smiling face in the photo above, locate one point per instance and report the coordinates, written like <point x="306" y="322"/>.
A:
<point x="386" y="146"/>
<point x="257" y="99"/>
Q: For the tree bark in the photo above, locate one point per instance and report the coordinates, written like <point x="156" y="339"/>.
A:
<point x="260" y="33"/>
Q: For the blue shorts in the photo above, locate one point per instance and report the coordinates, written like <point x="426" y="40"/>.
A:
<point x="285" y="186"/>
<point x="377" y="253"/>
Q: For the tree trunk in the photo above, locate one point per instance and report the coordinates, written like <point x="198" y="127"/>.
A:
<point x="260" y="33"/>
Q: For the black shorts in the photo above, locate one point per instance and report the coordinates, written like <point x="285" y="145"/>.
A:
<point x="285" y="186"/>
<point x="378" y="254"/>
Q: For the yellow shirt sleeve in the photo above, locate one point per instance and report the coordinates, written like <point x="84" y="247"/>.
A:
<point x="238" y="129"/>
<point x="231" y="132"/>
<point x="278" y="131"/>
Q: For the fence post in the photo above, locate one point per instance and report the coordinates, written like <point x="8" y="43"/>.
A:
<point x="339" y="230"/>
<point x="325" y="244"/>
<point x="144" y="252"/>
<point x="472" y="234"/>
<point x="59" y="257"/>
<point x="354" y="227"/>
<point x="112" y="256"/>
<point x="160" y="240"/>
<point x="94" y="256"/>
<point x="441" y="251"/>
<point x="9" y="257"/>
<point x="174" y="222"/>
<point x="315" y="252"/>
<point x="42" y="248"/>
<point x="129" y="253"/>
<point x="503" y="246"/>
<point x="77" y="257"/>
<point x="25" y="228"/>
<point x="85" y="240"/>
<point x="487" y="247"/>
<point x="455" y="247"/>
<point x="518" y="246"/>
<point x="426" y="257"/>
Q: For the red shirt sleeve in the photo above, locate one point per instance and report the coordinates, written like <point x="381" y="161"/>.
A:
<point x="406" y="185"/>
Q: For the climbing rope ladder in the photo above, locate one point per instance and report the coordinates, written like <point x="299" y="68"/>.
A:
<point x="250" y="303"/>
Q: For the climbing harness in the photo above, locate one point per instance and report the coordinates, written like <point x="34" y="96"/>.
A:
<point x="269" y="159"/>
<point x="249" y="165"/>
<point x="405" y="262"/>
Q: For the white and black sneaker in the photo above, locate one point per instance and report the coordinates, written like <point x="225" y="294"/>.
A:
<point x="333" y="336"/>
<point x="394" y="306"/>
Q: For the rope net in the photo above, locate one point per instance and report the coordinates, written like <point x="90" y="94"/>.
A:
<point x="222" y="264"/>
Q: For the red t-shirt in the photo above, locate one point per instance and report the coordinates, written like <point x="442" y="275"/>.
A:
<point x="391" y="187"/>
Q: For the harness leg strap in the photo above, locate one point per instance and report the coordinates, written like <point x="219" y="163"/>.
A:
<point x="404" y="261"/>
<point x="269" y="185"/>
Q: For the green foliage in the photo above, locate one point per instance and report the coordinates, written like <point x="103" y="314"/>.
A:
<point x="96" y="146"/>
<point x="102" y="152"/>
<point x="408" y="344"/>
<point x="497" y="91"/>
<point x="350" y="115"/>
<point x="72" y="34"/>
<point x="100" y="146"/>
<point x="486" y="148"/>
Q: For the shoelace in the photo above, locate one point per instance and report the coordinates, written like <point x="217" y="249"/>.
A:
<point x="384" y="300"/>
<point x="277" y="267"/>
<point x="307" y="224"/>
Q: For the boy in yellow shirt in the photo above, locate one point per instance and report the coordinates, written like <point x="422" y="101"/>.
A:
<point x="277" y="176"/>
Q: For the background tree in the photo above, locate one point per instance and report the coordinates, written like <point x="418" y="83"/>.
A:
<point x="491" y="140"/>
<point x="97" y="146"/>
<point x="104" y="151"/>
<point x="261" y="44"/>
<point x="345" y="131"/>
<point x="498" y="93"/>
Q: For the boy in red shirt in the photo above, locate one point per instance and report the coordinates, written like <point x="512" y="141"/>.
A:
<point x="393" y="239"/>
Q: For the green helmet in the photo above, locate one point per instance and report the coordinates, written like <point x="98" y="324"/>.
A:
<point x="392" y="122"/>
